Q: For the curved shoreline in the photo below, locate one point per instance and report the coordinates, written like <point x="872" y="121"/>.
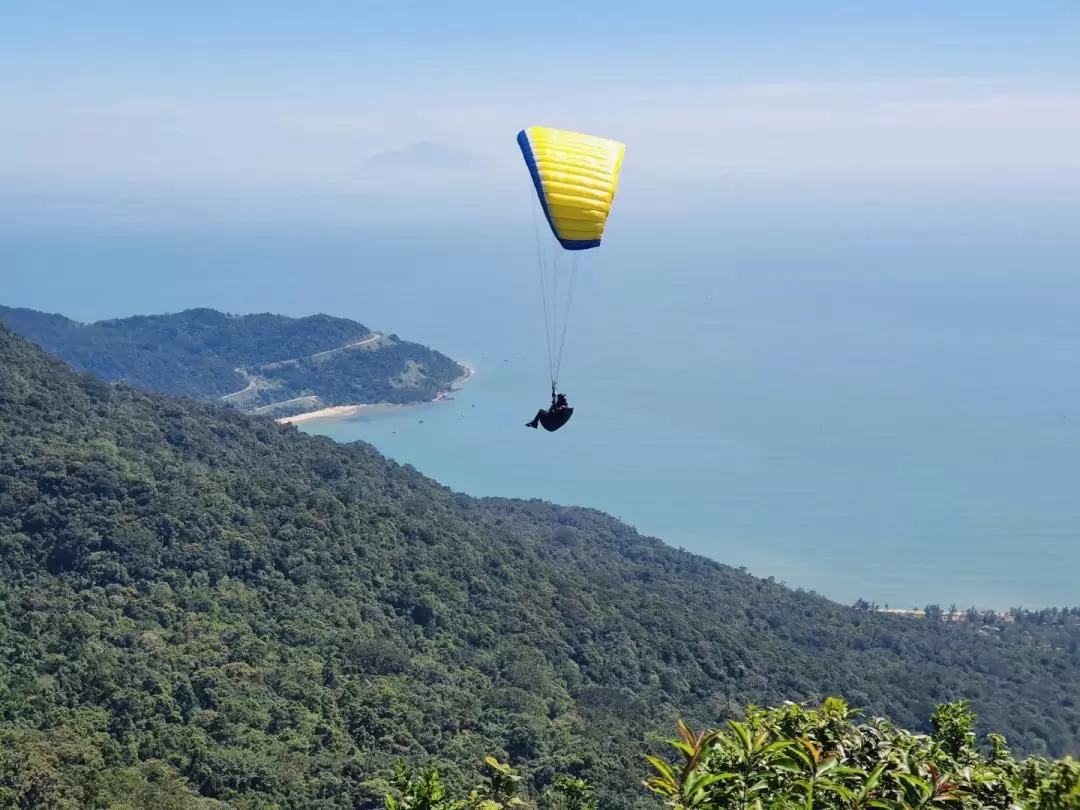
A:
<point x="343" y="411"/>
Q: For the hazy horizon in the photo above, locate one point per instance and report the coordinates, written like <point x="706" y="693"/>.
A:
<point x="170" y="115"/>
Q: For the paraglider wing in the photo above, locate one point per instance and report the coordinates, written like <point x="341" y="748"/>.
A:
<point x="576" y="177"/>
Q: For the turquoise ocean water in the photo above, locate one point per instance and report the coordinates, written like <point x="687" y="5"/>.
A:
<point x="876" y="413"/>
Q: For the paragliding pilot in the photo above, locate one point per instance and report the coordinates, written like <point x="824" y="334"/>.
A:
<point x="554" y="417"/>
<point x="575" y="176"/>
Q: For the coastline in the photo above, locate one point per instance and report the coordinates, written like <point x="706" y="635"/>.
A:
<point x="343" y="411"/>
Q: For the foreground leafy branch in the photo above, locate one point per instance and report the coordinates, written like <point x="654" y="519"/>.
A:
<point x="792" y="757"/>
<point x="796" y="758"/>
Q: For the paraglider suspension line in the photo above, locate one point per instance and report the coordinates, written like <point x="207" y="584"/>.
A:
<point x="566" y="317"/>
<point x="562" y="262"/>
<point x="540" y="263"/>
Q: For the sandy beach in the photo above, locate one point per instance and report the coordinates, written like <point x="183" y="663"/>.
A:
<point x="341" y="411"/>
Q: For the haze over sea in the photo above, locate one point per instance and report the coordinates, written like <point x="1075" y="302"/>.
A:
<point x="854" y="399"/>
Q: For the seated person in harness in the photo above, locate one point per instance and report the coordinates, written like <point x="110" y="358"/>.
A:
<point x="554" y="417"/>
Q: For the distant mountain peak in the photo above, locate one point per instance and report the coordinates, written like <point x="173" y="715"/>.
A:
<point x="426" y="155"/>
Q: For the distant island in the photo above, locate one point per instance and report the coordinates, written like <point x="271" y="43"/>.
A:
<point x="290" y="368"/>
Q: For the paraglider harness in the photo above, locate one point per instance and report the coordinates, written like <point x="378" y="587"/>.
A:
<point x="554" y="417"/>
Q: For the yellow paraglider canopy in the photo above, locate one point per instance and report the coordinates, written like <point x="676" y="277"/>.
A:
<point x="576" y="177"/>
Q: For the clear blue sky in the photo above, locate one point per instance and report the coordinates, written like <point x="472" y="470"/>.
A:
<point x="749" y="41"/>
<point x="244" y="97"/>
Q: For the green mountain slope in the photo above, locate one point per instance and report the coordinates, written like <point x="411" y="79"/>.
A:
<point x="271" y="363"/>
<point x="190" y="595"/>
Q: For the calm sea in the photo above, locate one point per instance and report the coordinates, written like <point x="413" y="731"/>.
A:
<point x="888" y="411"/>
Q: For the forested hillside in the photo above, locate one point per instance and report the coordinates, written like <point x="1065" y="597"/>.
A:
<point x="273" y="363"/>
<point x="198" y="605"/>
